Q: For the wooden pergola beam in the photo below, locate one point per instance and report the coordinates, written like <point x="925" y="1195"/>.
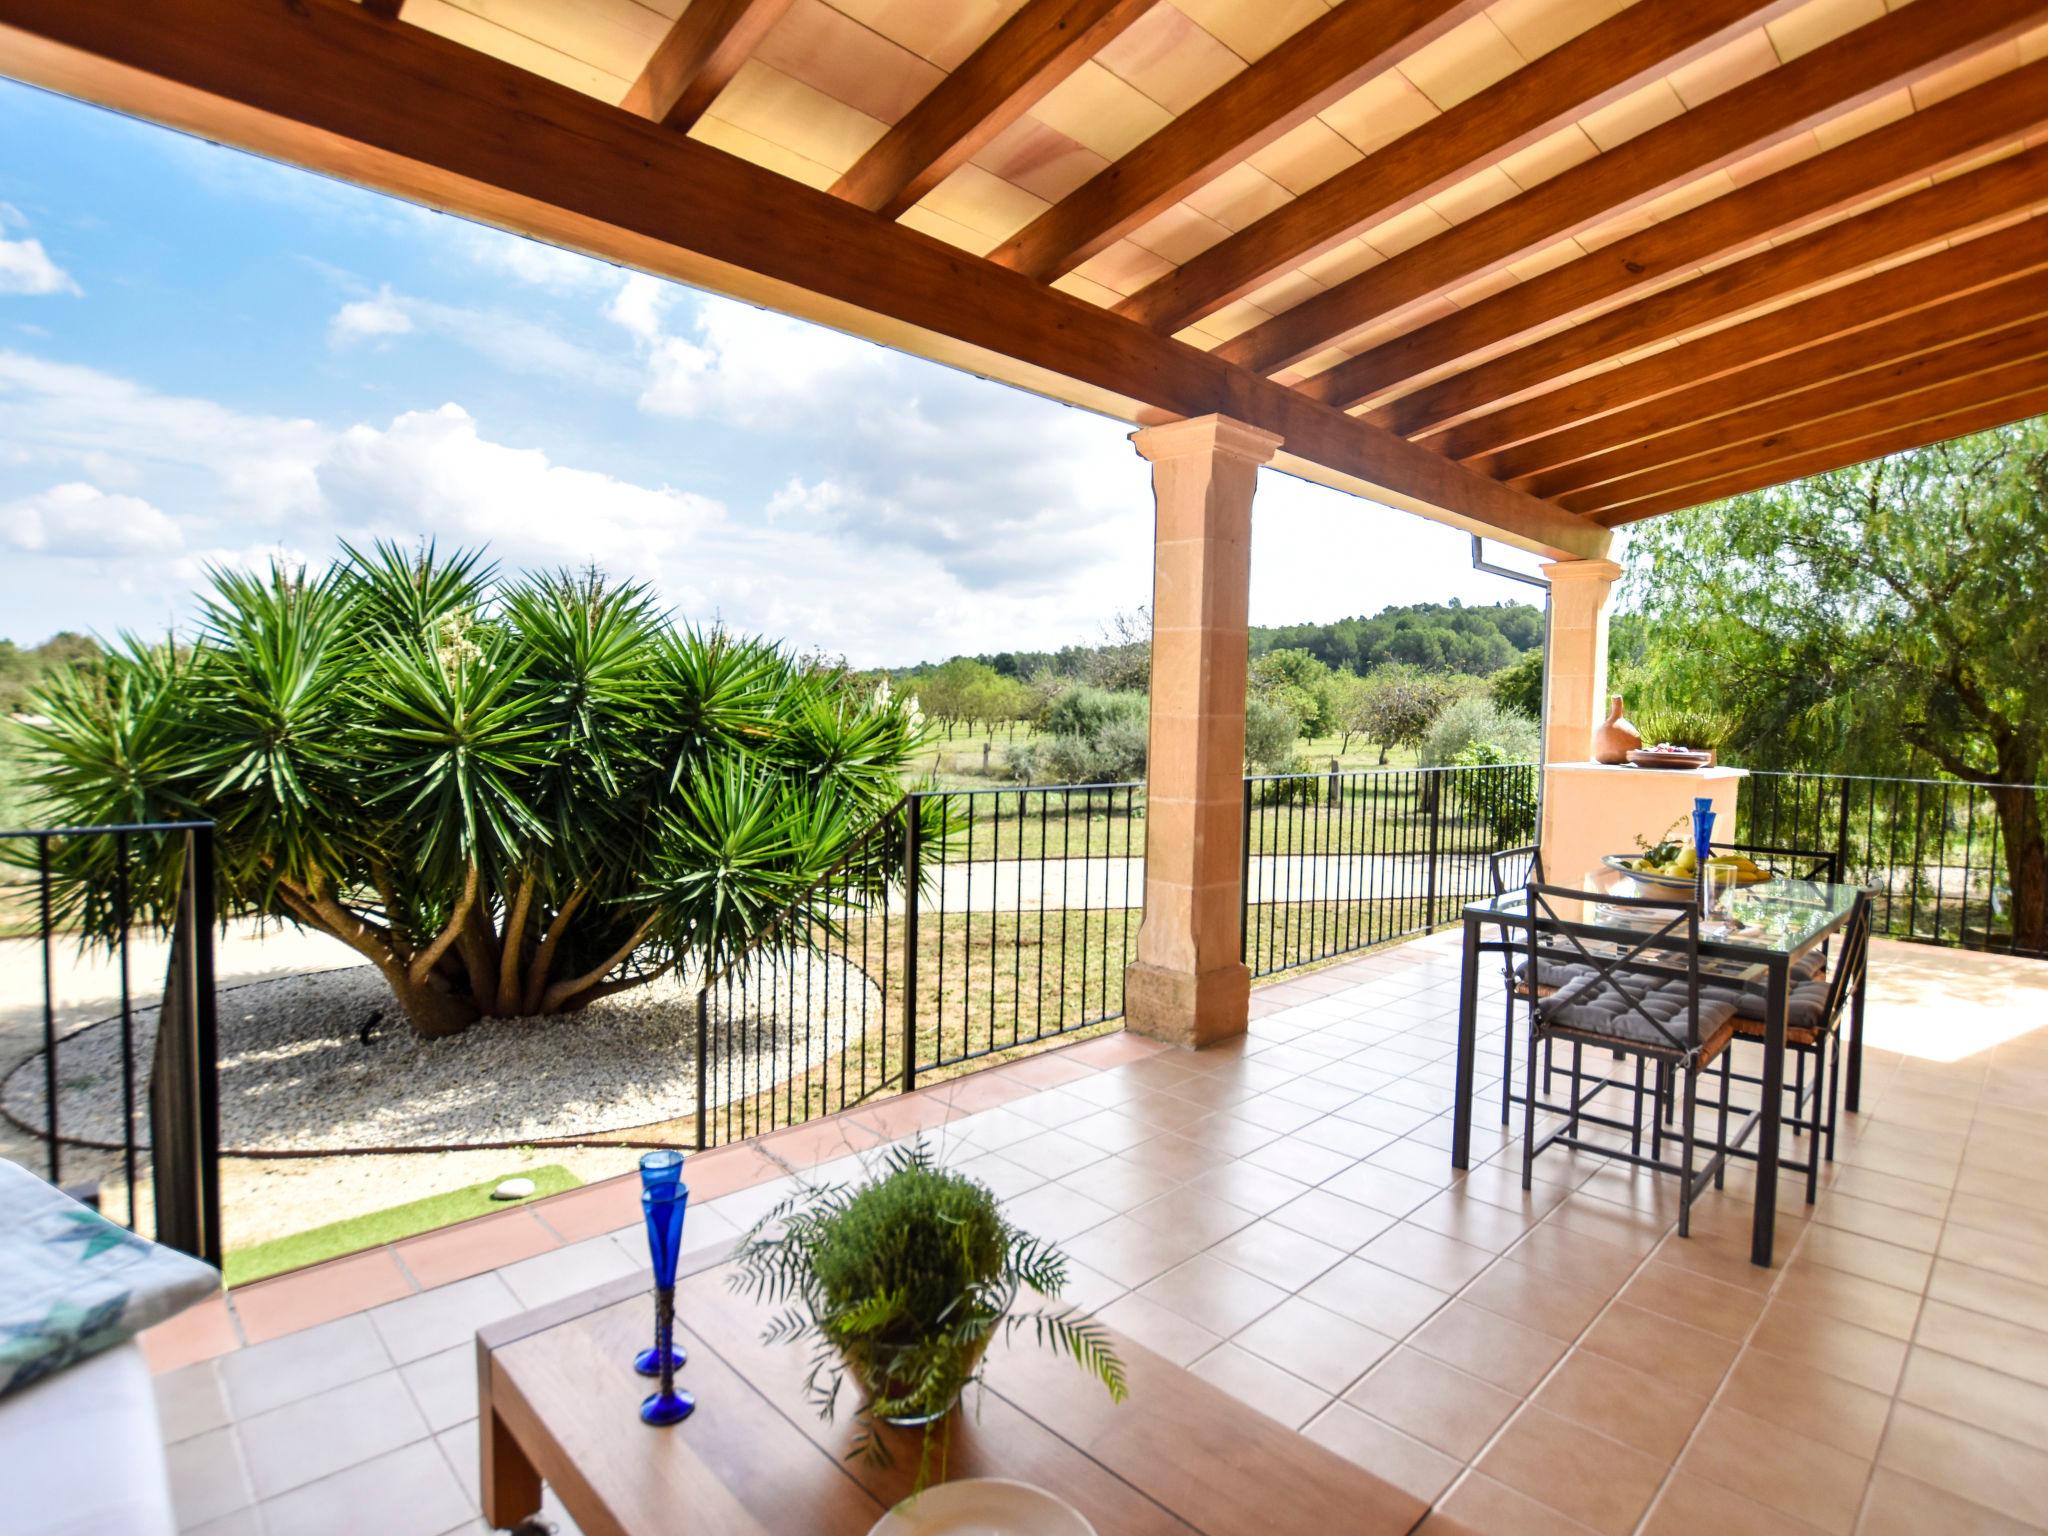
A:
<point x="1599" y="66"/>
<point x="1522" y="428"/>
<point x="698" y="58"/>
<point x="1046" y="41"/>
<point x="1850" y="71"/>
<point x="1931" y="416"/>
<point x="325" y="85"/>
<point x="1867" y="166"/>
<point x="1655" y="432"/>
<point x="1700" y="451"/>
<point x="1320" y="64"/>
<point x="1945" y="210"/>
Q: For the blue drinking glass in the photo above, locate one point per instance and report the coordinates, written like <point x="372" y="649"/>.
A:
<point x="1702" y="827"/>
<point x="660" y="1170"/>
<point x="664" y="1210"/>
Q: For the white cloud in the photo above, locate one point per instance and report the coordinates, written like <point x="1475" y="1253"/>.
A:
<point x="25" y="267"/>
<point x="80" y="521"/>
<point x="368" y="320"/>
<point x="431" y="471"/>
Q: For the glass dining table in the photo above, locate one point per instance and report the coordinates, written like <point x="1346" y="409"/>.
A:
<point x="1764" y="929"/>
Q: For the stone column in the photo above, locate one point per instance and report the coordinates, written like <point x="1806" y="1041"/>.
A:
<point x="1189" y="985"/>
<point x="1575" y="680"/>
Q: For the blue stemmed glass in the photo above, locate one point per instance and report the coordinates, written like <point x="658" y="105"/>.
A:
<point x="1702" y="827"/>
<point x="664" y="1208"/>
<point x="658" y="1171"/>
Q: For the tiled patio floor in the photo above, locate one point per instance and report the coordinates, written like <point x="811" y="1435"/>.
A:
<point x="1282" y="1216"/>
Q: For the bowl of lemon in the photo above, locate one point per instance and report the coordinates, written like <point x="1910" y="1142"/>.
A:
<point x="1674" y="868"/>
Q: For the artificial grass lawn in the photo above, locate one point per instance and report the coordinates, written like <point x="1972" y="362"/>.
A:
<point x="259" y="1260"/>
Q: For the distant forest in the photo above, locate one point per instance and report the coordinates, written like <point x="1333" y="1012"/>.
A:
<point x="1434" y="637"/>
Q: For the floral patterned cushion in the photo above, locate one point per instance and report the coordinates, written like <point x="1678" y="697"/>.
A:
<point x="73" y="1283"/>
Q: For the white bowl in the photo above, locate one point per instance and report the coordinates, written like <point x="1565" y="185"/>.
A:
<point x="983" y="1506"/>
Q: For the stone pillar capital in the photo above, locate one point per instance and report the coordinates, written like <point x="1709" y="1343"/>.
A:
<point x="1581" y="572"/>
<point x="1203" y="436"/>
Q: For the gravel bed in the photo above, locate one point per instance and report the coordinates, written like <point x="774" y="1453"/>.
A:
<point x="296" y="1077"/>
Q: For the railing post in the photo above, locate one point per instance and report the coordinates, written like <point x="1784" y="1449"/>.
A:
<point x="1842" y="833"/>
<point x="911" y="849"/>
<point x="1244" y="879"/>
<point x="1436" y="825"/>
<point x="50" y="1074"/>
<point x="206" y="1038"/>
<point x="703" y="1064"/>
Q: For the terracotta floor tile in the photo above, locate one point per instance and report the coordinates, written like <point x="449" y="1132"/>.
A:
<point x="1833" y="1411"/>
<point x="1884" y="1222"/>
<point x="1207" y="1291"/>
<point x="2005" y="1346"/>
<point x="1119" y="1183"/>
<point x="1856" y="1354"/>
<point x="1597" y="1481"/>
<point x="1300" y="1160"/>
<point x="1130" y="1252"/>
<point x="1691" y="1506"/>
<point x="1431" y="1402"/>
<point x="1159" y="1328"/>
<point x="1535" y="1300"/>
<point x="2028" y="1223"/>
<point x="1690" y="1359"/>
<point x="1720" y="1256"/>
<point x="1317" y="1345"/>
<point x="1990" y="1399"/>
<point x="1778" y="1467"/>
<point x="1384" y="1189"/>
<point x="1430" y="1257"/>
<point x="320" y="1294"/>
<point x="1277" y="1254"/>
<point x="1258" y="1191"/>
<point x="1971" y="1463"/>
<point x="1622" y="1403"/>
<point x="202" y="1332"/>
<point x="1883" y="1308"/>
<point x="1479" y="1506"/>
<point x="1379" y="1298"/>
<point x="1633" y="1232"/>
<point x="1962" y="1285"/>
<point x="1332" y="1219"/>
<point x="471" y="1247"/>
<point x="2000" y="1252"/>
<point x="1386" y="1453"/>
<point x="1570" y="1256"/>
<point x="1262" y="1385"/>
<point x="1187" y="1210"/>
<point x="1491" y="1347"/>
<point x="1898" y="1505"/>
<point x="1503" y="1187"/>
<point x="596" y="1208"/>
<point x="1884" y="1189"/>
<point x="1464" y="1217"/>
<point x="1695" y="1299"/>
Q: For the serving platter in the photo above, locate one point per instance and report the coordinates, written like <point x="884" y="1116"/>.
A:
<point x="1622" y="863"/>
<point x="983" y="1506"/>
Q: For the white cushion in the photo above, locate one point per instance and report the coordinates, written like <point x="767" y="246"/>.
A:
<point x="81" y="1452"/>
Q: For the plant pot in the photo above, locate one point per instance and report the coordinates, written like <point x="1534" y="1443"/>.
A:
<point x="858" y="1365"/>
<point x="1615" y="738"/>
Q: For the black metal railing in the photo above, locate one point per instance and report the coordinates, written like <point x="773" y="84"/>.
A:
<point x="1336" y="862"/>
<point x="158" y="1124"/>
<point x="1931" y="851"/>
<point x="969" y="923"/>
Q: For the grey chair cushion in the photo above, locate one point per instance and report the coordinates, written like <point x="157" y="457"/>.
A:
<point x="1551" y="973"/>
<point x="1805" y="1005"/>
<point x="1591" y="1005"/>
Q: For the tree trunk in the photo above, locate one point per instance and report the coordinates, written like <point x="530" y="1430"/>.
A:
<point x="2026" y="863"/>
<point x="433" y="1012"/>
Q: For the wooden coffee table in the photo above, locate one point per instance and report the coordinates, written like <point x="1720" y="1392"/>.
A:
<point x="558" y="1397"/>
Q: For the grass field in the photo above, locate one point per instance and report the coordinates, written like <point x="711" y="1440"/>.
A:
<point x="359" y="1232"/>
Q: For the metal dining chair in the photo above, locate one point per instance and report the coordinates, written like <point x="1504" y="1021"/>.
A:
<point x="1640" y="995"/>
<point x="1513" y="869"/>
<point x="1813" y="1022"/>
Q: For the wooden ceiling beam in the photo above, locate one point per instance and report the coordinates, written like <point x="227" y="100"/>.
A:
<point x="1868" y="166"/>
<point x="1514" y="440"/>
<point x="1946" y="210"/>
<point x="1896" y="437"/>
<point x="1655" y="431"/>
<point x="1592" y="70"/>
<point x="698" y="58"/>
<point x="1037" y="48"/>
<point x="1704" y="450"/>
<point x="1841" y="75"/>
<point x="1321" y="63"/>
<point x="324" y="85"/>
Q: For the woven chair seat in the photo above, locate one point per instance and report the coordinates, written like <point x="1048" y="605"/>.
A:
<point x="1590" y="1007"/>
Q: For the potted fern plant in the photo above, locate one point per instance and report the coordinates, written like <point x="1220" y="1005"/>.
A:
<point x="902" y="1281"/>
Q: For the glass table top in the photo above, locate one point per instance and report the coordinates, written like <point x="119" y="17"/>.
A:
<point x="1778" y="916"/>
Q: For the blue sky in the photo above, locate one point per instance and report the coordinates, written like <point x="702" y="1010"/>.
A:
<point x="207" y="358"/>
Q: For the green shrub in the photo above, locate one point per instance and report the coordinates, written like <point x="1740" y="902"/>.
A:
<point x="1270" y="733"/>
<point x="1475" y="719"/>
<point x="903" y="1280"/>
